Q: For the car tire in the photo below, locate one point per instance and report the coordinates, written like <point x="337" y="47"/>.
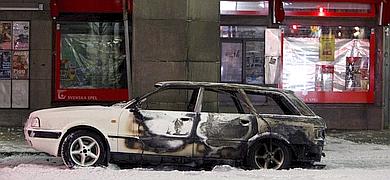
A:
<point x="264" y="156"/>
<point x="83" y="148"/>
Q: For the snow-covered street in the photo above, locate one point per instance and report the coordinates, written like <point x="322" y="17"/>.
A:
<point x="344" y="160"/>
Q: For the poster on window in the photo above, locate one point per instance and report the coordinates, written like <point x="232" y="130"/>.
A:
<point x="21" y="35"/>
<point x="5" y="65"/>
<point x="327" y="47"/>
<point x="231" y="70"/>
<point x="20" y="65"/>
<point x="5" y="34"/>
<point x="5" y="93"/>
<point x="356" y="73"/>
<point x="20" y="91"/>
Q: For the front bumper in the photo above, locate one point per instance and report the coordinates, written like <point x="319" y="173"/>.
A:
<point x="43" y="140"/>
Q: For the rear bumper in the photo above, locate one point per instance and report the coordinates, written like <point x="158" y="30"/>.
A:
<point x="308" y="153"/>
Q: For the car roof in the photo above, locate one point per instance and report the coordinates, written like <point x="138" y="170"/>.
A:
<point x="218" y="85"/>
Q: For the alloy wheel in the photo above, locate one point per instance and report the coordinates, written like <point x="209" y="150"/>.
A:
<point x="85" y="151"/>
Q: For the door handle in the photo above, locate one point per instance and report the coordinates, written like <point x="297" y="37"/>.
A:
<point x="185" y="119"/>
<point x="244" y="122"/>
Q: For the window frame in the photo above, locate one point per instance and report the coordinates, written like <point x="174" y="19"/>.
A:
<point x="242" y="41"/>
<point x="81" y="94"/>
<point x="290" y="105"/>
<point x="12" y="50"/>
<point x="196" y="91"/>
<point x="331" y="97"/>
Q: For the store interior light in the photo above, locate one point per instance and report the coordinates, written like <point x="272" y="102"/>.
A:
<point x="295" y="27"/>
<point x="321" y="13"/>
<point x="228" y="5"/>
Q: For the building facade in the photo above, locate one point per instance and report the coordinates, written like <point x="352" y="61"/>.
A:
<point x="330" y="53"/>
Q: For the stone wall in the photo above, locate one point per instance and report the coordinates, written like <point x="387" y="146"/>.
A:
<point x="40" y="57"/>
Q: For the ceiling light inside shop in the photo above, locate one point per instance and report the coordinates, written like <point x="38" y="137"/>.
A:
<point x="321" y="13"/>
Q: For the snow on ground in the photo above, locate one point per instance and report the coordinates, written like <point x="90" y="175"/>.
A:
<point x="344" y="160"/>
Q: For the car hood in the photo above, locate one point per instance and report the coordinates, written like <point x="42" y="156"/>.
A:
<point x="73" y="109"/>
<point x="55" y="118"/>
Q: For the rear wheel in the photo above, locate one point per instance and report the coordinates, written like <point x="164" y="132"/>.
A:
<point x="83" y="148"/>
<point x="269" y="155"/>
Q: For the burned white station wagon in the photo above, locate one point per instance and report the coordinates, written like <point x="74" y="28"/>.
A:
<point x="185" y="123"/>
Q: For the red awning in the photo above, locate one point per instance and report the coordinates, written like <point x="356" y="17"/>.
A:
<point x="87" y="6"/>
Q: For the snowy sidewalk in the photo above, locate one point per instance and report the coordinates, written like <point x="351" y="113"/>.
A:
<point x="366" y="158"/>
<point x="12" y="142"/>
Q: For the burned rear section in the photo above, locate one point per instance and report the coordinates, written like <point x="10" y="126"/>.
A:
<point x="282" y="116"/>
<point x="219" y="123"/>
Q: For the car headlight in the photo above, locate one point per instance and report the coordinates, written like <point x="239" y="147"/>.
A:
<point x="35" y="122"/>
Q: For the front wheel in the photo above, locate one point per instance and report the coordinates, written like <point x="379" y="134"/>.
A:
<point x="269" y="155"/>
<point x="83" y="148"/>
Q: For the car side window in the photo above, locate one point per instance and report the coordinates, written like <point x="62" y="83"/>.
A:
<point x="218" y="101"/>
<point x="271" y="103"/>
<point x="170" y="100"/>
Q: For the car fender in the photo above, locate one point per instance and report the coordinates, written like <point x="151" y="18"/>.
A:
<point x="84" y="124"/>
<point x="266" y="135"/>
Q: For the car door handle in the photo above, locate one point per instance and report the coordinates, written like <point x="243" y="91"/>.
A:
<point x="244" y="122"/>
<point x="185" y="119"/>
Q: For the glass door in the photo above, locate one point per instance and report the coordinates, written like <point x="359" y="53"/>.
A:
<point x="254" y="62"/>
<point x="231" y="62"/>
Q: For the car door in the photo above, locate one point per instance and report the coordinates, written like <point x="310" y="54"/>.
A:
<point x="225" y="125"/>
<point x="164" y="122"/>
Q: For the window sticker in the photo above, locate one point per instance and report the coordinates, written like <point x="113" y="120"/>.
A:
<point x="5" y="65"/>
<point x="20" y="65"/>
<point x="21" y="36"/>
<point x="5" y="34"/>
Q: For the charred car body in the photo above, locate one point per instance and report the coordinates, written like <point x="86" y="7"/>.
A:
<point x="193" y="123"/>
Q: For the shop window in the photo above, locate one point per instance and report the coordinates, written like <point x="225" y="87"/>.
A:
<point x="329" y="9"/>
<point x="329" y="64"/>
<point x="92" y="55"/>
<point x="242" y="54"/>
<point x="92" y="61"/>
<point x="14" y="64"/>
<point x="244" y="7"/>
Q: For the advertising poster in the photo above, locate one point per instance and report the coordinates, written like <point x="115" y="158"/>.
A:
<point x="21" y="35"/>
<point x="5" y="65"/>
<point x="5" y="34"/>
<point x="20" y="89"/>
<point x="5" y="93"/>
<point x="357" y="73"/>
<point x="327" y="47"/>
<point x="20" y="65"/>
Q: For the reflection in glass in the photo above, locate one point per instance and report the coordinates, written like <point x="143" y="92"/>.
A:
<point x="350" y="64"/>
<point x="92" y="55"/>
<point x="231" y="63"/>
<point x="254" y="57"/>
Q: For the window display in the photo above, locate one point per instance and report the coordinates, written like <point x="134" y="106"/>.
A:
<point x="14" y="64"/>
<point x="330" y="60"/>
<point x="91" y="65"/>
<point x="92" y="55"/>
